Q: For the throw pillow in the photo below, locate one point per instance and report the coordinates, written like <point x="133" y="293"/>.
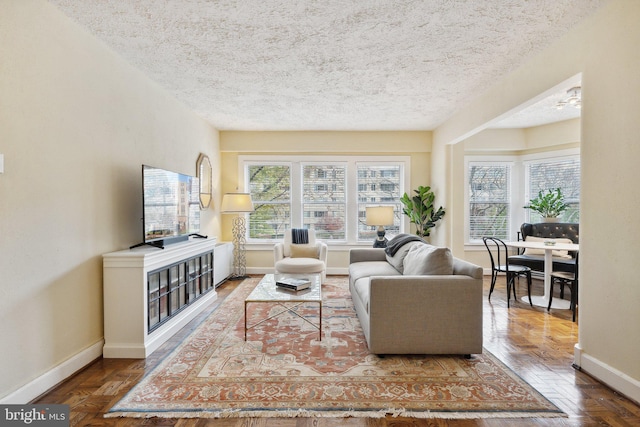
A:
<point x="304" y="251"/>
<point x="559" y="254"/>
<point x="426" y="259"/>
<point x="397" y="260"/>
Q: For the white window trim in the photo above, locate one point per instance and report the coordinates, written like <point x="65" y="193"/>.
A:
<point x="351" y="191"/>
<point x="514" y="196"/>
<point x="564" y="155"/>
<point x="518" y="183"/>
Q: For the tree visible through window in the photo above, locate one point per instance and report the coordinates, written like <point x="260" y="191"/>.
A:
<point x="270" y="188"/>
<point x="496" y="207"/>
<point x="488" y="200"/>
<point x="327" y="195"/>
<point x="324" y="200"/>
<point x="552" y="174"/>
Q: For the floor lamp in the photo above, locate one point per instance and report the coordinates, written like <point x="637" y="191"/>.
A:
<point x="379" y="216"/>
<point x="238" y="203"/>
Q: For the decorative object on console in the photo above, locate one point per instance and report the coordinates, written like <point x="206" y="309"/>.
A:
<point x="203" y="172"/>
<point x="379" y="216"/>
<point x="421" y="210"/>
<point x="238" y="203"/>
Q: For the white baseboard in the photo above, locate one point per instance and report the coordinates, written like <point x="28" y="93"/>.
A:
<point x="55" y="376"/>
<point x="606" y="374"/>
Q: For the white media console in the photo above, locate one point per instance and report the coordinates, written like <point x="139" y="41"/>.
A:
<point x="150" y="293"/>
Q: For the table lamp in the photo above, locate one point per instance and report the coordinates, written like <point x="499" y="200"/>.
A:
<point x="379" y="216"/>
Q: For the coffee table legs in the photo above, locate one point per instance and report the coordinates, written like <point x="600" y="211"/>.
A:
<point x="286" y="309"/>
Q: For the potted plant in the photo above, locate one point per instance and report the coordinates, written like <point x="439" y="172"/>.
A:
<point x="549" y="205"/>
<point x="421" y="211"/>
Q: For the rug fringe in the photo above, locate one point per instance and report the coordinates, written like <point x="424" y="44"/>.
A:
<point x="304" y="413"/>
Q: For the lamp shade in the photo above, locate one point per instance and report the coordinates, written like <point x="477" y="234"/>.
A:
<point x="236" y="203"/>
<point x="379" y="215"/>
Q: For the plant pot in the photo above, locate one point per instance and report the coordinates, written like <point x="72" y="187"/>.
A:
<point x="550" y="219"/>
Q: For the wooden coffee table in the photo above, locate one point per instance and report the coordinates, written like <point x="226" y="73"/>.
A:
<point x="267" y="292"/>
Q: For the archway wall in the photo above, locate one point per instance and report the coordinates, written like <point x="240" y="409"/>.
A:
<point x="604" y="49"/>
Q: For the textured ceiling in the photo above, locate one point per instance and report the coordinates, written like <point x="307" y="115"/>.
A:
<point x="326" y="65"/>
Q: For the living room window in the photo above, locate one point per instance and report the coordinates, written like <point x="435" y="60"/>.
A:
<point x="382" y="185"/>
<point x="270" y="188"/>
<point x="327" y="194"/>
<point x="324" y="194"/>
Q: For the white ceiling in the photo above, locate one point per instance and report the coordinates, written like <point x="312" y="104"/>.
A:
<point x="543" y="109"/>
<point x="332" y="64"/>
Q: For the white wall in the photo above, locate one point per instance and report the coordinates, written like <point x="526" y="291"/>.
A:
<point x="76" y="123"/>
<point x="605" y="49"/>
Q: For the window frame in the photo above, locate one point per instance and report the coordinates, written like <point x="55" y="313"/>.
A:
<point x="514" y="169"/>
<point x="547" y="160"/>
<point x="519" y="185"/>
<point x="296" y="164"/>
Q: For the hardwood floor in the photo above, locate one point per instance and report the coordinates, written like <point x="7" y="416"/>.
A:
<point x="535" y="344"/>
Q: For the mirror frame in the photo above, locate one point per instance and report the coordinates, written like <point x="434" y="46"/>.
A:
<point x="203" y="172"/>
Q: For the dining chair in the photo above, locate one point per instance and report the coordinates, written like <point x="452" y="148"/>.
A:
<point x="569" y="279"/>
<point x="500" y="264"/>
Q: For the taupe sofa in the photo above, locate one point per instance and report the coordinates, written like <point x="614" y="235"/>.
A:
<point x="415" y="313"/>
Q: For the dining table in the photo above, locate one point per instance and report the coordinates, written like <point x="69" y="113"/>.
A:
<point x="548" y="248"/>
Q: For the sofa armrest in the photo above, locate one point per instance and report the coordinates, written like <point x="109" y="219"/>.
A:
<point x="366" y="254"/>
<point x="322" y="251"/>
<point x="278" y="252"/>
<point x="462" y="267"/>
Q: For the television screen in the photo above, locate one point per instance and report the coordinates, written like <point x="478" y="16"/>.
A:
<point x="171" y="205"/>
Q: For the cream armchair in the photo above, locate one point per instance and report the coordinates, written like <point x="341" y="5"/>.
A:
<point x="301" y="258"/>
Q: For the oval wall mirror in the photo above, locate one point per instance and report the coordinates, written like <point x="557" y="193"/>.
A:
<point x="203" y="170"/>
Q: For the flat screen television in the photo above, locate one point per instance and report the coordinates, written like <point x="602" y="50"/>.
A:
<point x="171" y="206"/>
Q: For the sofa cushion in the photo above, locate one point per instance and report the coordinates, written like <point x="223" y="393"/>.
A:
<point x="397" y="260"/>
<point x="304" y="251"/>
<point x="299" y="266"/>
<point x="371" y="268"/>
<point x="560" y="254"/>
<point x="428" y="260"/>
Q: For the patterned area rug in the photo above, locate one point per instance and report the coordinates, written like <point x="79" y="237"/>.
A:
<point x="284" y="370"/>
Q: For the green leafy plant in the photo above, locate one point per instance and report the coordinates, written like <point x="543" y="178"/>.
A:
<point x="550" y="204"/>
<point x="421" y="210"/>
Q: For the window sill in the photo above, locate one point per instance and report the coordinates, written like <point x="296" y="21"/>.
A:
<point x="333" y="246"/>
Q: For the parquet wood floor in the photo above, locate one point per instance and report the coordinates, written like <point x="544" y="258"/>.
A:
<point x="535" y="344"/>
